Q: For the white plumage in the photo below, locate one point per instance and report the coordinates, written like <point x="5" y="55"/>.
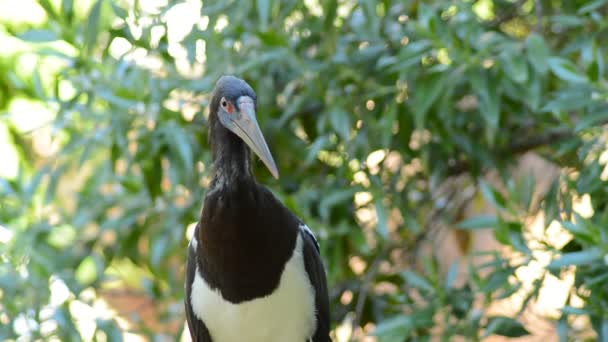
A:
<point x="288" y="314"/>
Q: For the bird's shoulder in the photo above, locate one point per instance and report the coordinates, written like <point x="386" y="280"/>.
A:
<point x="302" y="227"/>
<point x="310" y="235"/>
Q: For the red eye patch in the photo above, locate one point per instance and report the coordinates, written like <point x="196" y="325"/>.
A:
<point x="229" y="108"/>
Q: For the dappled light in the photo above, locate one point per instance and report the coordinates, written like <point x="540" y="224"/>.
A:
<point x="450" y="156"/>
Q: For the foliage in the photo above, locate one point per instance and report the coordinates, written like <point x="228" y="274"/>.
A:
<point x="384" y="117"/>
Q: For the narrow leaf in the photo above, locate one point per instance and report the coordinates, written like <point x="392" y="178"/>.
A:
<point x="263" y="7"/>
<point x="427" y="91"/>
<point x="577" y="258"/>
<point x="479" y="222"/>
<point x="395" y="326"/>
<point x="591" y="120"/>
<point x="592" y="6"/>
<point x="505" y="326"/>
<point x="92" y="28"/>
<point x="538" y="53"/>
<point x="566" y="70"/>
<point x="340" y="122"/>
<point x="382" y="218"/>
<point x="38" y="36"/>
<point x="516" y="67"/>
<point x="417" y="281"/>
<point x="492" y="195"/>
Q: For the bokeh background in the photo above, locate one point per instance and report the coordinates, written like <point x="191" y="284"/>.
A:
<point x="451" y="157"/>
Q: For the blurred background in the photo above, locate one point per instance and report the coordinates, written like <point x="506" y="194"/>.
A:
<point x="451" y="157"/>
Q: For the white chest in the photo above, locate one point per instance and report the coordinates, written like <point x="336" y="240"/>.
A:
<point x="288" y="314"/>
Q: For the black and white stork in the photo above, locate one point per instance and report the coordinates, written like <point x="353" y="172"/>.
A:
<point x="254" y="271"/>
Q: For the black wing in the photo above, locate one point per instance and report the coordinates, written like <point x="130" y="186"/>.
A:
<point x="316" y="274"/>
<point x="198" y="330"/>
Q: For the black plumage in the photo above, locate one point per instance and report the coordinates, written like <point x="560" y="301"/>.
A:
<point x="245" y="236"/>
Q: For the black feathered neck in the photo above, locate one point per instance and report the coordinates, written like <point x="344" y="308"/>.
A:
<point x="231" y="156"/>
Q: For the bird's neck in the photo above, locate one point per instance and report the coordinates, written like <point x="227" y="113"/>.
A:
<point x="231" y="158"/>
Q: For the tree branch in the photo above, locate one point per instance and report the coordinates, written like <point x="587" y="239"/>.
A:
<point x="531" y="143"/>
<point x="366" y="284"/>
<point x="520" y="146"/>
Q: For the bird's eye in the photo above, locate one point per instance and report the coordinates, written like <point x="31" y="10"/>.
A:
<point x="228" y="108"/>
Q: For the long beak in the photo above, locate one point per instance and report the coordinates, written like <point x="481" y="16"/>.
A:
<point x="246" y="127"/>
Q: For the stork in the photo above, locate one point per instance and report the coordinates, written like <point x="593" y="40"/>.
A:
<point x="254" y="271"/>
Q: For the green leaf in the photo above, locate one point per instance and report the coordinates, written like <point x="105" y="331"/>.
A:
<point x="416" y="281"/>
<point x="428" y="89"/>
<point x="263" y="7"/>
<point x="489" y="105"/>
<point x="110" y="329"/>
<point x="570" y="310"/>
<point x="314" y="149"/>
<point x="452" y="274"/>
<point x="584" y="257"/>
<point x="479" y="222"/>
<point x="590" y="120"/>
<point x="562" y="328"/>
<point x="329" y="12"/>
<point x="119" y="11"/>
<point x="382" y="217"/>
<point x="535" y="92"/>
<point x="158" y="249"/>
<point x="515" y="67"/>
<point x="568" y="21"/>
<point x="527" y="187"/>
<point x="498" y="279"/>
<point x="492" y="195"/>
<point x="600" y="279"/>
<point x="505" y="326"/>
<point x="538" y="53"/>
<point x="37" y="83"/>
<point x="67" y="8"/>
<point x="179" y="144"/>
<point x="91" y="30"/>
<point x="566" y="70"/>
<point x="49" y="8"/>
<point x="87" y="271"/>
<point x="272" y="38"/>
<point x="604" y="330"/>
<point x="340" y="122"/>
<point x="578" y="231"/>
<point x="518" y="242"/>
<point x="591" y="6"/>
<point x="152" y="172"/>
<point x="39" y="36"/>
<point x="397" y="326"/>
<point x="568" y="99"/>
<point x="61" y="236"/>
<point x="335" y="198"/>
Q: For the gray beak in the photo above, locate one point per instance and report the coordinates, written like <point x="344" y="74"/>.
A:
<point x="247" y="128"/>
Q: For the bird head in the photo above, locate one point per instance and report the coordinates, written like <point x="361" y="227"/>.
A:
<point x="234" y="103"/>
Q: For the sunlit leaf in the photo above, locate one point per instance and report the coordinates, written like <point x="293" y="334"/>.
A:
<point x="39" y="36"/>
<point x="577" y="258"/>
<point x="87" y="271"/>
<point x="92" y="26"/>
